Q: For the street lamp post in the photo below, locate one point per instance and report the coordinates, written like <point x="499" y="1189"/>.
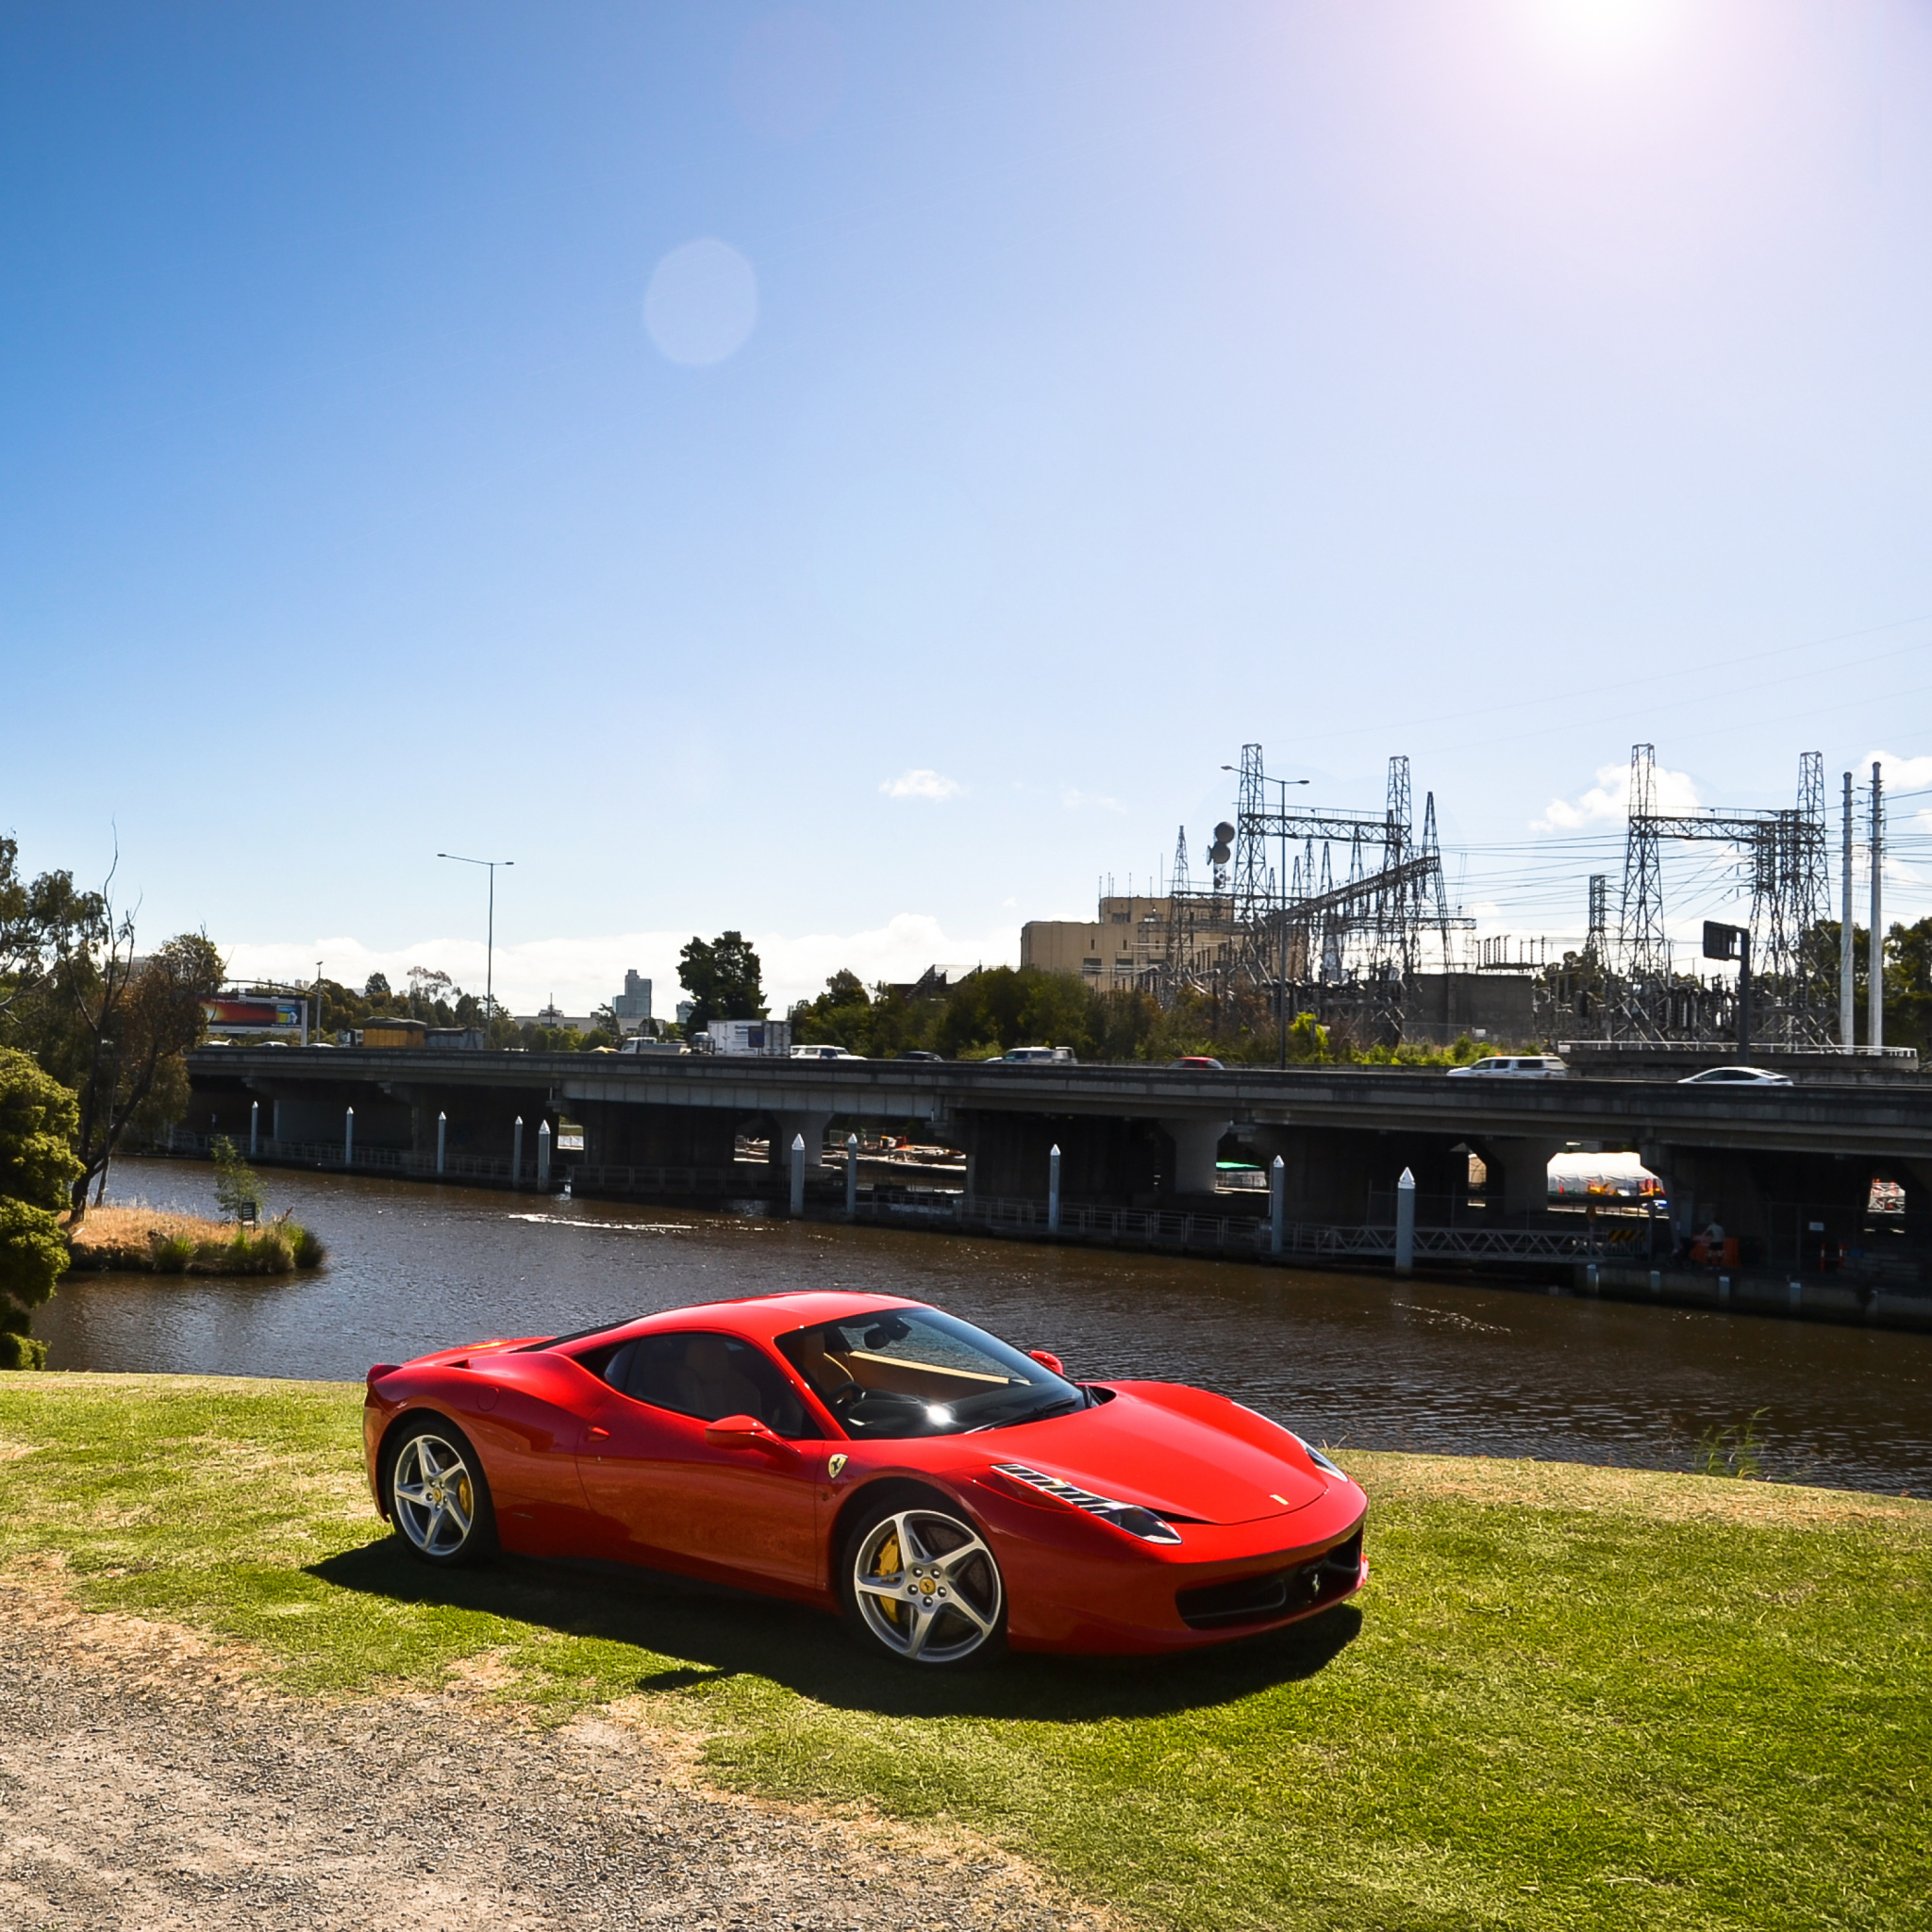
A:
<point x="490" y="941"/>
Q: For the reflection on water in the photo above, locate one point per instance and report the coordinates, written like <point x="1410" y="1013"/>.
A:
<point x="1463" y="1369"/>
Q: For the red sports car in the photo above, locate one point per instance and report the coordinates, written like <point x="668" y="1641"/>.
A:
<point x="949" y="1493"/>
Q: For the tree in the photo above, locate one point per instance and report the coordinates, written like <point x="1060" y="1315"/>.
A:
<point x="430" y="991"/>
<point x="116" y="1029"/>
<point x="842" y="1015"/>
<point x="37" y="920"/>
<point x="38" y="1122"/>
<point x="236" y="1186"/>
<point x="375" y="987"/>
<point x="723" y="978"/>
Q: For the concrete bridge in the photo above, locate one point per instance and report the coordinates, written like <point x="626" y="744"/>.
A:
<point x="1774" y="1165"/>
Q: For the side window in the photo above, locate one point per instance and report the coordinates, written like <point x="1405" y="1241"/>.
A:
<point x="710" y="1377"/>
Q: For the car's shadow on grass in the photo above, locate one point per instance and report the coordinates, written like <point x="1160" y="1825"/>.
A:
<point x="718" y="1633"/>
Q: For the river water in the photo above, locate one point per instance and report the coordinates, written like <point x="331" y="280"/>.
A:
<point x="1345" y="1359"/>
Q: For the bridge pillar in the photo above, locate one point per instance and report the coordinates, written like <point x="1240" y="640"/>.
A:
<point x="1783" y="1208"/>
<point x="812" y="1125"/>
<point x="1103" y="1160"/>
<point x="1523" y="1167"/>
<point x="1333" y="1174"/>
<point x="1196" y="1148"/>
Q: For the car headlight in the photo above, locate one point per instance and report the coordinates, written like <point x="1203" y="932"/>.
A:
<point x="1130" y="1517"/>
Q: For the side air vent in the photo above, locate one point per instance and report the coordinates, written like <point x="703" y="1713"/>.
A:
<point x="1130" y="1517"/>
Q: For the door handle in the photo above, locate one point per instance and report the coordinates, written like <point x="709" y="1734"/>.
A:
<point x="593" y="1434"/>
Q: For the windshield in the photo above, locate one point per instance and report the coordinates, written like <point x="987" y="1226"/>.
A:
<point x="915" y="1372"/>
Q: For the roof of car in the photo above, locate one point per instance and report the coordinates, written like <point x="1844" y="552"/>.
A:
<point x="760" y="1318"/>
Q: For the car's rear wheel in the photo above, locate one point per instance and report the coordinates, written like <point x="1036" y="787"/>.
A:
<point x="920" y="1583"/>
<point x="439" y="1498"/>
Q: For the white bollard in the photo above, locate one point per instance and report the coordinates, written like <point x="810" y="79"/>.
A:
<point x="516" y="1154"/>
<point x="1723" y="1287"/>
<point x="1797" y="1294"/>
<point x="543" y="1155"/>
<point x="348" y="1137"/>
<point x="851" y="1176"/>
<point x="442" y="1139"/>
<point x="798" y="1176"/>
<point x="1052" y="1190"/>
<point x="1277" y="1203"/>
<point x="1405" y="1223"/>
<point x="254" y="1125"/>
<point x="1657" y="1281"/>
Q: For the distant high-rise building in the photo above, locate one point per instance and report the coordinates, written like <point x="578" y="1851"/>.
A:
<point x="633" y="1005"/>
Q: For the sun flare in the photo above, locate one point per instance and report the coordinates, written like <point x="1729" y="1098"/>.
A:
<point x="1603" y="33"/>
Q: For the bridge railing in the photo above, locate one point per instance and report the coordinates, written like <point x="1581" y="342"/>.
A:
<point x="330" y="1155"/>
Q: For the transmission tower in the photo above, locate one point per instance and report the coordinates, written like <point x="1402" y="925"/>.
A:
<point x="1596" y="946"/>
<point x="1782" y="855"/>
<point x="1251" y="882"/>
<point x="1640" y="925"/>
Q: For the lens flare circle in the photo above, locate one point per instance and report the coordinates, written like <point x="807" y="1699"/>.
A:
<point x="702" y="303"/>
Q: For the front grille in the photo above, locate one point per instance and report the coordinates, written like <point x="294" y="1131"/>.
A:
<point x="1275" y="1593"/>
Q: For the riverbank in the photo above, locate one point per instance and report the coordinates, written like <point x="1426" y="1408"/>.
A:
<point x="1569" y="1695"/>
<point x="134" y="1239"/>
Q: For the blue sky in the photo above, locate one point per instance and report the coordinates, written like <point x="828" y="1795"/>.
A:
<point x="1054" y="398"/>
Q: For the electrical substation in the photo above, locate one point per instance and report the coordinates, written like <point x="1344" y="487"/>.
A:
<point x="1347" y="916"/>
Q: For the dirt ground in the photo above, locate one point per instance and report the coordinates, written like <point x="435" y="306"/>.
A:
<point x="146" y="1783"/>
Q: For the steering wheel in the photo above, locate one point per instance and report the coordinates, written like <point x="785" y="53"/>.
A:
<point x="848" y="1397"/>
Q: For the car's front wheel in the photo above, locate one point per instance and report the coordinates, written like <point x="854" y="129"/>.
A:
<point x="920" y="1583"/>
<point x="439" y="1498"/>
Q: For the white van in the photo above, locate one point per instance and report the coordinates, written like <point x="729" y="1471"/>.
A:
<point x="1039" y="1056"/>
<point x="1516" y="1066"/>
<point x="823" y="1053"/>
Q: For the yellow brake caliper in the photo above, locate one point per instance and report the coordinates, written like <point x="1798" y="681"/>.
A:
<point x="883" y="1565"/>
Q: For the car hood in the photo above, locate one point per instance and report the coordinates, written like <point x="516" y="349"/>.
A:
<point x="1185" y="1454"/>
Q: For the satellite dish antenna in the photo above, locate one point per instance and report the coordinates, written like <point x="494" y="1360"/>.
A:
<point x="1224" y="833"/>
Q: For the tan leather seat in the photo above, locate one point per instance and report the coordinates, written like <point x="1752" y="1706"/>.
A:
<point x="709" y="1387"/>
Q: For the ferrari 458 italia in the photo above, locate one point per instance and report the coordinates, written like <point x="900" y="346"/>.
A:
<point x="949" y="1493"/>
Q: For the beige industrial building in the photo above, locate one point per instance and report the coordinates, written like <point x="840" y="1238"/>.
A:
<point x="1131" y="939"/>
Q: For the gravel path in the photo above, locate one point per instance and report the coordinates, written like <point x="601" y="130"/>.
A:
<point x="146" y="1783"/>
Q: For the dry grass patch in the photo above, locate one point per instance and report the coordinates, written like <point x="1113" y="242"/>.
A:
<point x="134" y="1239"/>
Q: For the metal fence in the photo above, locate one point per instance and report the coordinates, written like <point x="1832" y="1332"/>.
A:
<point x="378" y="1160"/>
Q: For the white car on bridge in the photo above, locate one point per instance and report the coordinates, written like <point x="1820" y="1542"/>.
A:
<point x="1513" y="1066"/>
<point x="1736" y="1077"/>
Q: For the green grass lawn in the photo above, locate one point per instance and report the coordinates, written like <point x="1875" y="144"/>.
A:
<point x="1568" y="1697"/>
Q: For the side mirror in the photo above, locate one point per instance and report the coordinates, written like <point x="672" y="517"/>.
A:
<point x="745" y="1432"/>
<point x="1047" y="1360"/>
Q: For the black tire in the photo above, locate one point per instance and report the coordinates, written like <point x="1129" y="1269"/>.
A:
<point x="437" y="1495"/>
<point x="939" y="1605"/>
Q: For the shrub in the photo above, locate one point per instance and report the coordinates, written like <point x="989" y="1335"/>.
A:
<point x="173" y="1253"/>
<point x="309" y="1251"/>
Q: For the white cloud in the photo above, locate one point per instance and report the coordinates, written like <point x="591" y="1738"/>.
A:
<point x="920" y="783"/>
<point x="1900" y="775"/>
<point x="1607" y="802"/>
<point x="582" y="973"/>
<point x="1076" y="800"/>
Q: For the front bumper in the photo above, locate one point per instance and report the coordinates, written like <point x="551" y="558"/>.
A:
<point x="1077" y="1585"/>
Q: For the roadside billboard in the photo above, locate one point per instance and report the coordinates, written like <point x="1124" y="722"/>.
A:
<point x="261" y="1014"/>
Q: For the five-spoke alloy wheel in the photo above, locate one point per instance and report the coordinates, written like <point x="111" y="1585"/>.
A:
<point x="921" y="1584"/>
<point x="437" y="1497"/>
